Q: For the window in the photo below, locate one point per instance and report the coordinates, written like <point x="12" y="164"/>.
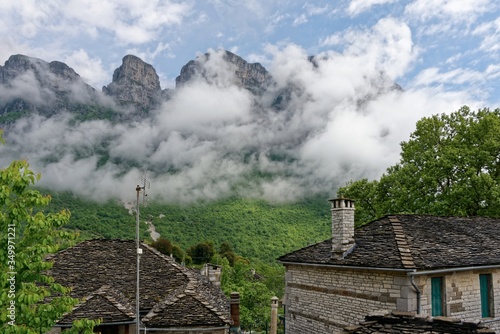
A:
<point x="437" y="296"/>
<point x="486" y="288"/>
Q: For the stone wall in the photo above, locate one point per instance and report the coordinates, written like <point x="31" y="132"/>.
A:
<point x="462" y="295"/>
<point x="324" y="300"/>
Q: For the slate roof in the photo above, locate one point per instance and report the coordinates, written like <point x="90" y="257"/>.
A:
<point x="106" y="303"/>
<point x="405" y="322"/>
<point x="414" y="242"/>
<point x="103" y="274"/>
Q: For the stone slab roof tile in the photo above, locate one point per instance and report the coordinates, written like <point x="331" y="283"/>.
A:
<point x="185" y="310"/>
<point x="92" y="264"/>
<point x="106" y="303"/>
<point x="404" y="322"/>
<point x="414" y="241"/>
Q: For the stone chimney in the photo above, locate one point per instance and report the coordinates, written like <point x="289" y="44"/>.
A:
<point x="213" y="272"/>
<point x="342" y="227"/>
<point x="234" y="301"/>
<point x="274" y="315"/>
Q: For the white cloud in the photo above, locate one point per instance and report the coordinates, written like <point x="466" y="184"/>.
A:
<point x="432" y="76"/>
<point x="90" y="69"/>
<point x="490" y="32"/>
<point x="455" y="10"/>
<point x="128" y="21"/>
<point x="300" y="20"/>
<point x="387" y="47"/>
<point x="358" y="6"/>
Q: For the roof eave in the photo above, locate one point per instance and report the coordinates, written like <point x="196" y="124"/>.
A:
<point x="416" y="272"/>
<point x="331" y="265"/>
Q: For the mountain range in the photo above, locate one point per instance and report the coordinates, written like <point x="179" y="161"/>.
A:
<point x="228" y="127"/>
<point x="31" y="84"/>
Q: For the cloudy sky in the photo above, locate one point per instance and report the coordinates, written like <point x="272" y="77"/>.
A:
<point x="443" y="53"/>
<point x="455" y="43"/>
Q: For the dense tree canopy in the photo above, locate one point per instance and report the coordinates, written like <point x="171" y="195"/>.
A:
<point x="450" y="166"/>
<point x="201" y="253"/>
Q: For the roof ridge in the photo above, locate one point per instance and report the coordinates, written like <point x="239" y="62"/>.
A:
<point x="402" y="243"/>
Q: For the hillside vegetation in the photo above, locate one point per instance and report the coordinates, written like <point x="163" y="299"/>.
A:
<point x="254" y="228"/>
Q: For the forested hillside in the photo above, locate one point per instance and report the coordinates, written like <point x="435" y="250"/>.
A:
<point x="254" y="228"/>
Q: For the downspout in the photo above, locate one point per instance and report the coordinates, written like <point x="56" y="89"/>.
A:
<point x="417" y="290"/>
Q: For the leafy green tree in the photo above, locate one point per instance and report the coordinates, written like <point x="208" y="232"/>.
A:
<point x="255" y="296"/>
<point x="365" y="194"/>
<point x="30" y="300"/>
<point x="180" y="255"/>
<point x="450" y="166"/>
<point x="166" y="247"/>
<point x="226" y="251"/>
<point x="163" y="246"/>
<point x="201" y="253"/>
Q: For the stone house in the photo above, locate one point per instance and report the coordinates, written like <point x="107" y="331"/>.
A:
<point x="432" y="266"/>
<point x="173" y="299"/>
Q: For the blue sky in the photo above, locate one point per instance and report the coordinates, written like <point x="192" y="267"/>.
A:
<point x="444" y="53"/>
<point x="455" y="43"/>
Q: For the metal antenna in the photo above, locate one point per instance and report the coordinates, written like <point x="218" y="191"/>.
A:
<point x="139" y="189"/>
<point x="145" y="185"/>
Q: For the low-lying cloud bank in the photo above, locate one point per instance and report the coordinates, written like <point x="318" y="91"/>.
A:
<point x="343" y="120"/>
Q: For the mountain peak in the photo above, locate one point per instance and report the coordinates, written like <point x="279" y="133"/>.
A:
<point x="31" y="83"/>
<point x="252" y="76"/>
<point x="135" y="82"/>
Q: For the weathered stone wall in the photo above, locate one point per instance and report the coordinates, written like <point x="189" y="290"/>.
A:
<point x="324" y="300"/>
<point x="462" y="295"/>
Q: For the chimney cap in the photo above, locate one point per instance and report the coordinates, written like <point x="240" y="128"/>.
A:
<point x="341" y="198"/>
<point x="342" y="202"/>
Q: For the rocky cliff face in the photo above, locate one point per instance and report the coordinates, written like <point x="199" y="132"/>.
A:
<point x="31" y="83"/>
<point x="252" y="76"/>
<point x="135" y="82"/>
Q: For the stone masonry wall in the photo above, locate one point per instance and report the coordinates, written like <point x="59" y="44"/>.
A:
<point x="462" y="293"/>
<point x="324" y="300"/>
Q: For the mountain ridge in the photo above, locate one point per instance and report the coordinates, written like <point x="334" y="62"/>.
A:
<point x="228" y="128"/>
<point x="134" y="83"/>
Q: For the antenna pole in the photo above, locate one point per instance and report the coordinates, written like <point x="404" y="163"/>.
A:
<point x="139" y="251"/>
<point x="138" y="189"/>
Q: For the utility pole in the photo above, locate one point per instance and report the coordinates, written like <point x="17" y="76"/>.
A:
<point x="145" y="184"/>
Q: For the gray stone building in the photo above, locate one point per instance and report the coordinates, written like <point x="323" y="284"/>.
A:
<point x="432" y="266"/>
<point x="173" y="299"/>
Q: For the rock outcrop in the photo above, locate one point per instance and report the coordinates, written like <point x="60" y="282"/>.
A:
<point x="252" y="76"/>
<point x="30" y="83"/>
<point x="135" y="83"/>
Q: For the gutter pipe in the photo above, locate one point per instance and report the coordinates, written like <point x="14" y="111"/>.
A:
<point x="417" y="290"/>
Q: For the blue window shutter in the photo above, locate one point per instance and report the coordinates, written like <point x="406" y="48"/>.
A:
<point x="485" y="288"/>
<point x="437" y="296"/>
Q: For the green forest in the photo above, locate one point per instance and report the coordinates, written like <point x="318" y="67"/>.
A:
<point x="255" y="229"/>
